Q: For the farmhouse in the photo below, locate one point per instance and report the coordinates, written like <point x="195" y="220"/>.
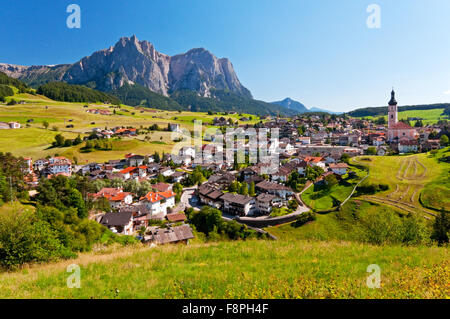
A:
<point x="339" y="168"/>
<point x="171" y="235"/>
<point x="121" y="223"/>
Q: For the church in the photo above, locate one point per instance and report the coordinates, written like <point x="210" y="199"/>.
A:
<point x="398" y="131"/>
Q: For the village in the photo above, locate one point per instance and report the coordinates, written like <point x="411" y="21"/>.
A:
<point x="310" y="149"/>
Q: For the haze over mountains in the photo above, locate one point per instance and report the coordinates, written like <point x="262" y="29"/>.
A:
<point x="299" y="107"/>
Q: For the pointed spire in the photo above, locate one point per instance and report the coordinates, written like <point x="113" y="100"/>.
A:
<point x="393" y="101"/>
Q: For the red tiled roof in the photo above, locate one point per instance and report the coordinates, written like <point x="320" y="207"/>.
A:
<point x="157" y="196"/>
<point x="400" y="126"/>
<point x="127" y="170"/>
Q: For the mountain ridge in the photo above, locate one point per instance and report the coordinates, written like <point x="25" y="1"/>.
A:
<point x="132" y="61"/>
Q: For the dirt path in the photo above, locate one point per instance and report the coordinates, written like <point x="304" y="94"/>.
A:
<point x="394" y="204"/>
<point x="399" y="172"/>
<point x="404" y="193"/>
<point x="397" y="188"/>
<point x="408" y="205"/>
<point x="407" y="169"/>
<point x="424" y="169"/>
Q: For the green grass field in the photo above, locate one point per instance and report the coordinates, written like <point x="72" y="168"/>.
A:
<point x="428" y="116"/>
<point x="409" y="178"/>
<point x="254" y="269"/>
<point x="321" y="200"/>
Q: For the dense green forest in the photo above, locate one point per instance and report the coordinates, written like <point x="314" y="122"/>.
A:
<point x="5" y="91"/>
<point x="225" y="101"/>
<point x="137" y="95"/>
<point x="5" y="86"/>
<point x="383" y="110"/>
<point x="6" y="80"/>
<point x="61" y="91"/>
<point x="220" y="101"/>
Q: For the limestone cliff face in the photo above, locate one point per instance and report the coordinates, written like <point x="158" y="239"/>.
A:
<point x="134" y="61"/>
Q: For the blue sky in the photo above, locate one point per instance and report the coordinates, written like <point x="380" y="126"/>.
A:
<point x="320" y="53"/>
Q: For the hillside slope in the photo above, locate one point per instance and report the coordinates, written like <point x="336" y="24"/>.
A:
<point x="253" y="269"/>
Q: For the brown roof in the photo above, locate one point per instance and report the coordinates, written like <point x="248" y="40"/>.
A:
<point x="178" y="217"/>
<point x="172" y="234"/>
<point x="266" y="185"/>
<point x="116" y="219"/>
<point x="236" y="198"/>
<point x="161" y="187"/>
<point x="265" y="198"/>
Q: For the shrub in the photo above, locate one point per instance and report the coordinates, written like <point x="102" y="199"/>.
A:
<point x="305" y="218"/>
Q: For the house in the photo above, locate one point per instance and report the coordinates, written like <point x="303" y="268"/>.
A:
<point x="274" y="189"/>
<point x="121" y="223"/>
<point x="210" y="196"/>
<point x="339" y="168"/>
<point x="129" y="172"/>
<point x="408" y="146"/>
<point x="175" y="128"/>
<point x="58" y="165"/>
<point x="176" y="218"/>
<point x="265" y="202"/>
<point x="14" y="125"/>
<point x="116" y="197"/>
<point x="40" y="164"/>
<point x="237" y="204"/>
<point x="159" y="202"/>
<point x="315" y="161"/>
<point x="178" y="177"/>
<point x="166" y="171"/>
<point x="304" y="140"/>
<point x="135" y="160"/>
<point x="161" y="187"/>
<point x="170" y="235"/>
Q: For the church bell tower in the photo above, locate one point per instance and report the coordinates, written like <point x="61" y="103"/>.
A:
<point x="392" y="111"/>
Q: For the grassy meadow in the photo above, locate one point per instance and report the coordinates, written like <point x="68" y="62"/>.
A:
<point x="428" y="116"/>
<point x="410" y="179"/>
<point x="291" y="268"/>
<point x="33" y="140"/>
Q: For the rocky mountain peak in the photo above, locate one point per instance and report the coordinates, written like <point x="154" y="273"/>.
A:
<point x="134" y="61"/>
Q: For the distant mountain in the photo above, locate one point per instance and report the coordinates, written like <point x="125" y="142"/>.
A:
<point x="316" y="109"/>
<point x="292" y="105"/>
<point x="300" y="108"/>
<point x="131" y="61"/>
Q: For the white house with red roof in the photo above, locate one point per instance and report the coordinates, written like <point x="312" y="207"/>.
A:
<point x="59" y="166"/>
<point x="116" y="196"/>
<point x="159" y="202"/>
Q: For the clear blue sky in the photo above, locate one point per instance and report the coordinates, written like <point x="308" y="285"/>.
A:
<point x="318" y="52"/>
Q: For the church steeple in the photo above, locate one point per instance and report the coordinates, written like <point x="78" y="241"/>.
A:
<point x="393" y="101"/>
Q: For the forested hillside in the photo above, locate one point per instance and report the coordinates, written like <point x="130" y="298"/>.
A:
<point x="383" y="110"/>
<point x="136" y="95"/>
<point x="61" y="91"/>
